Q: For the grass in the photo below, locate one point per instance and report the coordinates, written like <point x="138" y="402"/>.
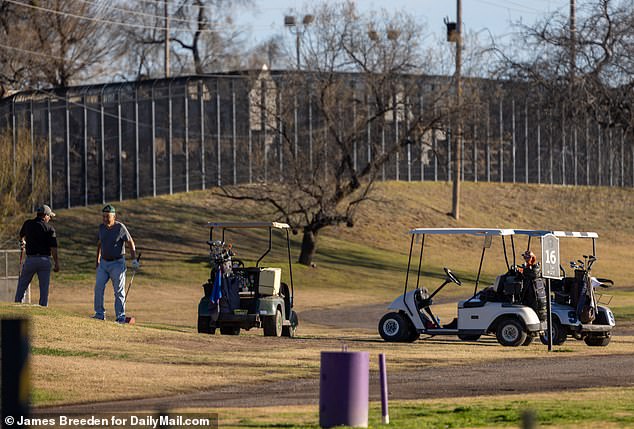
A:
<point x="580" y="409"/>
<point x="77" y="359"/>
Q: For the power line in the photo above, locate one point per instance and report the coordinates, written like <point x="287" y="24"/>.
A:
<point x="106" y="21"/>
<point x="525" y="9"/>
<point x="151" y="15"/>
<point x="32" y="52"/>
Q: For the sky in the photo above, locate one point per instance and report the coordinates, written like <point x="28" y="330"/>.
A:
<point x="492" y="16"/>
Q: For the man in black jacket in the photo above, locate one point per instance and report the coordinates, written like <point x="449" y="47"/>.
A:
<point x="41" y="244"/>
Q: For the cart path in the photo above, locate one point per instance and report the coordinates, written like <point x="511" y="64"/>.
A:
<point x="500" y="377"/>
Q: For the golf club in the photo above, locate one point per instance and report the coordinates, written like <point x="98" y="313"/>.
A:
<point x="130" y="320"/>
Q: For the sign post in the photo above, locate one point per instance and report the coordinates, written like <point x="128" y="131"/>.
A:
<point x="550" y="270"/>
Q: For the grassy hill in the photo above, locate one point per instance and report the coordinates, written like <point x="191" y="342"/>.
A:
<point x="75" y="357"/>
<point x="354" y="265"/>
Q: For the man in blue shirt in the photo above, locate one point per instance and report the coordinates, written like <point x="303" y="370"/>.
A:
<point x="41" y="243"/>
<point x="111" y="263"/>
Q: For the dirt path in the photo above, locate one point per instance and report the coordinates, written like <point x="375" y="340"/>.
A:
<point x="550" y="374"/>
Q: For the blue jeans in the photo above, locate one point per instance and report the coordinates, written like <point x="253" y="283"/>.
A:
<point x="40" y="265"/>
<point x="115" y="271"/>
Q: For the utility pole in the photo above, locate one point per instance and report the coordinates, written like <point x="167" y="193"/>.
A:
<point x="455" y="201"/>
<point x="167" y="39"/>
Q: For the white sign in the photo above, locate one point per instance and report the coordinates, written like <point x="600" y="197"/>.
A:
<point x="550" y="257"/>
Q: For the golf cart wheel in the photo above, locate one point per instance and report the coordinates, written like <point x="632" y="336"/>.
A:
<point x="559" y="334"/>
<point x="204" y="324"/>
<point x="394" y="328"/>
<point x="289" y="331"/>
<point x="413" y="335"/>
<point x="272" y="325"/>
<point x="469" y="337"/>
<point x="594" y="341"/>
<point x="230" y="331"/>
<point x="510" y="332"/>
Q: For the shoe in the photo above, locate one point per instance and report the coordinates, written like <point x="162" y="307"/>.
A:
<point x="97" y="317"/>
<point x="120" y="321"/>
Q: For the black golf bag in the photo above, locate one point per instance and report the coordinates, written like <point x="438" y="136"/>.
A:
<point x="534" y="291"/>
<point x="582" y="297"/>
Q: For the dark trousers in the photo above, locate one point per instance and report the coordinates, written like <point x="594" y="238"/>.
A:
<point x="40" y="265"/>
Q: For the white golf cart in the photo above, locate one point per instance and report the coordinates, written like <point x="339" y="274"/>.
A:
<point x="500" y="313"/>
<point x="575" y="309"/>
<point x="244" y="297"/>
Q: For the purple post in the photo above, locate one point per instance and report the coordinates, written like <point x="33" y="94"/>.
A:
<point x="385" y="416"/>
<point x="344" y="389"/>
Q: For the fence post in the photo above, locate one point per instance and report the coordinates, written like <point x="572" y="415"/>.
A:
<point x="513" y="142"/>
<point x="501" y="166"/>
<point x="14" y="136"/>
<point x="201" y="95"/>
<point x="153" y="141"/>
<point x="67" y="154"/>
<point x="563" y="150"/>
<point x="102" y="135"/>
<point x="539" y="147"/>
<point x="186" y="111"/>
<point x="218" y="157"/>
<point x="422" y="142"/>
<point x="526" y="141"/>
<point x="50" y="150"/>
<point x="32" y="137"/>
<point x="136" y="142"/>
<point x="234" y="131"/>
<point x="85" y="112"/>
<point x="119" y="144"/>
<point x="475" y="149"/>
<point x="396" y="134"/>
<point x="488" y="143"/>
<point x="169" y="136"/>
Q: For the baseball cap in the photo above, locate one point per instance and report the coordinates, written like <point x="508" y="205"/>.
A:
<point x="108" y="209"/>
<point x="44" y="209"/>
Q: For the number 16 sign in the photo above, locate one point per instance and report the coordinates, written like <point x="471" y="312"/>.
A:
<point x="550" y="257"/>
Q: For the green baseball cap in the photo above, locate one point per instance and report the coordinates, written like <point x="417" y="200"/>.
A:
<point x="108" y="209"/>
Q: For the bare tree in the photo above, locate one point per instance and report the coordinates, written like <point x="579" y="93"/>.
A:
<point x="364" y="95"/>
<point x="589" y="71"/>
<point x="201" y="33"/>
<point x="54" y="42"/>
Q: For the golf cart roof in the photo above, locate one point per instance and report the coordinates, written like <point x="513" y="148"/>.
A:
<point x="541" y="233"/>
<point x="455" y="231"/>
<point x="278" y="225"/>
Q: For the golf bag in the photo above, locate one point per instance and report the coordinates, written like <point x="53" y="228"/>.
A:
<point x="534" y="296"/>
<point x="583" y="299"/>
<point x="534" y="291"/>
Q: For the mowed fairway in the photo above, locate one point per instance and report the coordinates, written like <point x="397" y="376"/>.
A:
<point x="162" y="363"/>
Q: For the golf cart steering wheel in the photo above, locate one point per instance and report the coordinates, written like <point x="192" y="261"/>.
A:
<point x="237" y="263"/>
<point x="451" y="276"/>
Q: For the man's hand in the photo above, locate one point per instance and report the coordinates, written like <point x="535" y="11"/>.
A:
<point x="56" y="267"/>
<point x="136" y="264"/>
<point x="22" y="244"/>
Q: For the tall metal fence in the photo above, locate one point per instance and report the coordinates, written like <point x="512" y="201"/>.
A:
<point x="118" y="141"/>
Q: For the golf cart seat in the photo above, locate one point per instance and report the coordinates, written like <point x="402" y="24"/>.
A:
<point x="421" y="298"/>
